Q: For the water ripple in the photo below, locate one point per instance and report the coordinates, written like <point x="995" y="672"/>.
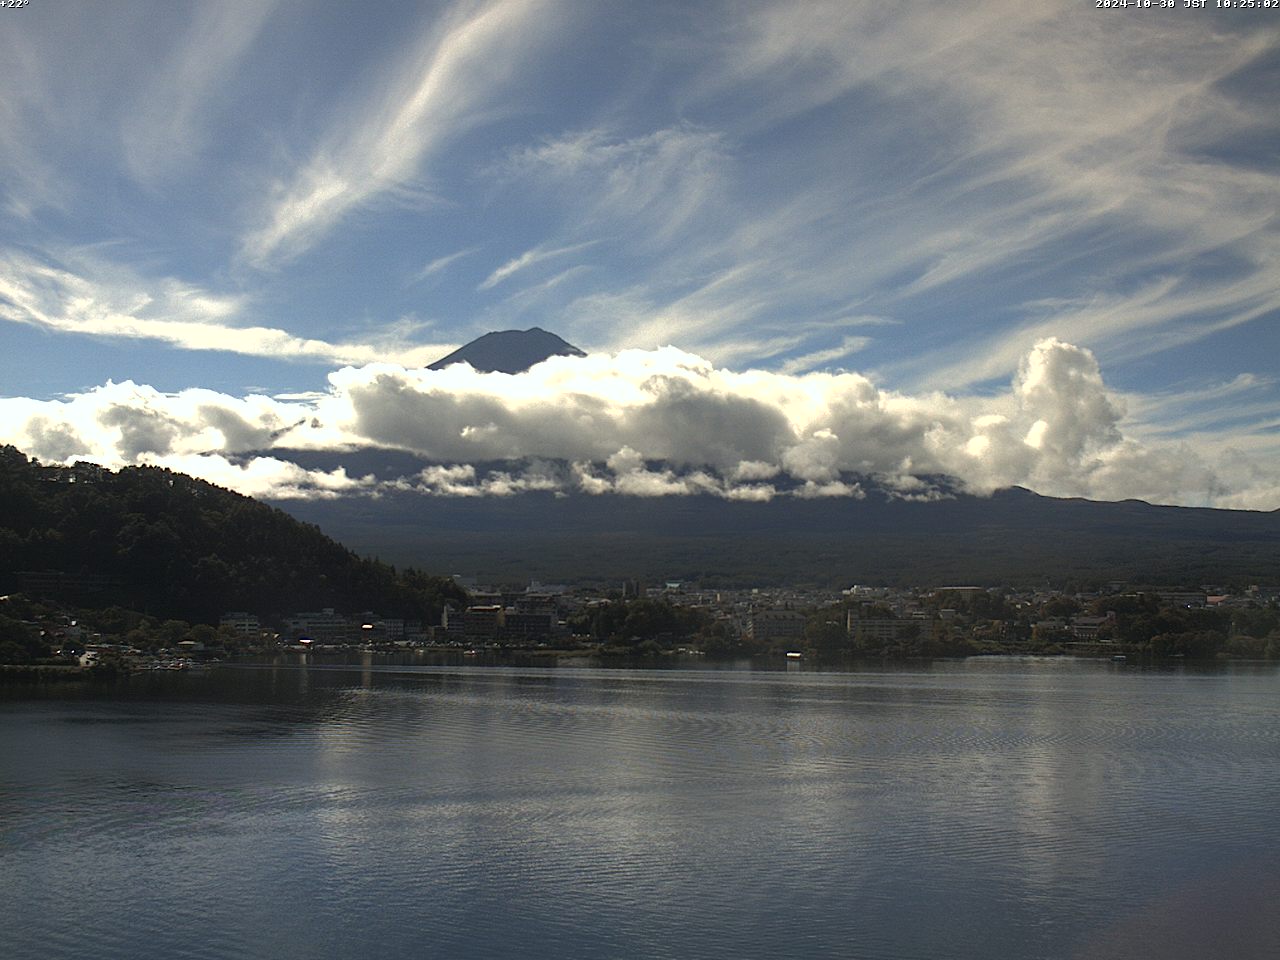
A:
<point x="389" y="811"/>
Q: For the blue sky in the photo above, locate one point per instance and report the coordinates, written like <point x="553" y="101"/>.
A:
<point x="246" y="197"/>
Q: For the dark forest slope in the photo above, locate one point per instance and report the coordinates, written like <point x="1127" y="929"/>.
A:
<point x="172" y="546"/>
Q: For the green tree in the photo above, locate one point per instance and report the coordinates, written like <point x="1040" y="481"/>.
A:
<point x="19" y="643"/>
<point x="827" y="637"/>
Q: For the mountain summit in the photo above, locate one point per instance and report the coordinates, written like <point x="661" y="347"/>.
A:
<point x="509" y="351"/>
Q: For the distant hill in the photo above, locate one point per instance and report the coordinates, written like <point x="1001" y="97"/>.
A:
<point x="509" y="351"/>
<point x="172" y="546"/>
<point x="1015" y="536"/>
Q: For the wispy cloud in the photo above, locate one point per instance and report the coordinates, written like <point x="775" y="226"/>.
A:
<point x="528" y="259"/>
<point x="820" y="358"/>
<point x="1014" y="168"/>
<point x="659" y="181"/>
<point x="1244" y="400"/>
<point x="1163" y="313"/>
<point x="440" y="264"/>
<point x="168" y="122"/>
<point x="379" y="145"/>
<point x="90" y="297"/>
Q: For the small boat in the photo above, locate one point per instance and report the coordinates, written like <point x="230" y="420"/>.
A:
<point x="794" y="655"/>
<point x="1119" y="658"/>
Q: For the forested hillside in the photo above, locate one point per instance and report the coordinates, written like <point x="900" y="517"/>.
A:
<point x="169" y="545"/>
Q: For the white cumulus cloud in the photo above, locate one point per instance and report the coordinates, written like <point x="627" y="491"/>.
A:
<point x="652" y="423"/>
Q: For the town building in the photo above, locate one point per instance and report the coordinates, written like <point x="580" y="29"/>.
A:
<point x="875" y="629"/>
<point x="322" y="626"/>
<point x="774" y="626"/>
<point x="243" y="624"/>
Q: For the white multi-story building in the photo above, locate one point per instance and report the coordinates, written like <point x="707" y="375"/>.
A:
<point x="244" y="624"/>
<point x="767" y="626"/>
<point x="881" y="629"/>
<point x="323" y="626"/>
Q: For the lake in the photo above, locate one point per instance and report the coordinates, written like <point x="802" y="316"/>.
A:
<point x="986" y="808"/>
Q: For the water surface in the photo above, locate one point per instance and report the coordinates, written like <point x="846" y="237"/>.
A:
<point x="981" y="808"/>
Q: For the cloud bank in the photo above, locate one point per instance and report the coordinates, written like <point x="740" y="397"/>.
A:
<point x="649" y="423"/>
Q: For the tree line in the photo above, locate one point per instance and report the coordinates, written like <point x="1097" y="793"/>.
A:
<point x="174" y="547"/>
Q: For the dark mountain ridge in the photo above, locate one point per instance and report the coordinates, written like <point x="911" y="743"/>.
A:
<point x="1014" y="536"/>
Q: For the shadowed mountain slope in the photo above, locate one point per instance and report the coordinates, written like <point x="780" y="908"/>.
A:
<point x="509" y="351"/>
<point x="1014" y="536"/>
